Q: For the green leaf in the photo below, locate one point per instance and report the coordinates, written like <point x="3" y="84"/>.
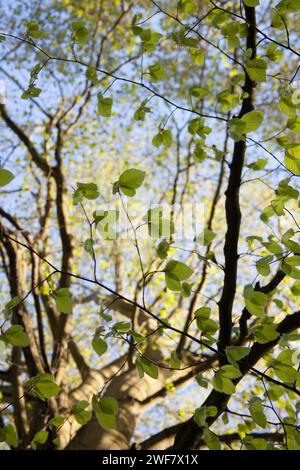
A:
<point x="265" y="333"/>
<point x="228" y="386"/>
<point x="227" y="100"/>
<point x="80" y="413"/>
<point x="33" y="30"/>
<point x="136" y="30"/>
<point x="232" y="31"/>
<point x="164" y="137"/>
<point x="162" y="249"/>
<point x="207" y="236"/>
<point x="284" y="190"/>
<point x="104" y="315"/>
<point x="85" y="191"/>
<point x="83" y="416"/>
<point x="16" y="336"/>
<point x="157" y="140"/>
<point x="5" y="177"/>
<point x="207" y="327"/>
<point x="199" y="154"/>
<point x="202" y="313"/>
<point x="62" y="300"/>
<point x="106" y="411"/>
<point x="285" y="372"/>
<point x="255" y="301"/>
<point x="56" y="422"/>
<point x="257" y="443"/>
<point x="199" y="92"/>
<point x="292" y="159"/>
<point x="266" y="214"/>
<point x="204" y="323"/>
<point x="180" y="37"/>
<point x="295" y="289"/>
<point x="187" y="6"/>
<point x="122" y="326"/>
<point x="186" y="289"/>
<point x="44" y="386"/>
<point x="256" y="69"/>
<point x="130" y="180"/>
<point x="99" y="344"/>
<point x="294" y="124"/>
<point x="39" y="438"/>
<point x="201" y="414"/>
<point x="80" y="32"/>
<point x="254" y="309"/>
<point x="10" y="305"/>
<point x="140" y="113"/>
<point x="252" y="121"/>
<point x="173" y="282"/>
<point x="11" y="436"/>
<point x="137" y="337"/>
<point x="287" y="106"/>
<point x="157" y="73"/>
<point x="79" y="406"/>
<point x="273" y="52"/>
<point x="91" y="74"/>
<point x="288" y="6"/>
<point x="145" y="366"/>
<point x="224" y="384"/>
<point x="104" y="105"/>
<point x="263" y="265"/>
<point x="292" y="246"/>
<point x="225" y="418"/>
<point x="175" y="273"/>
<point x="202" y="382"/>
<point x="31" y="92"/>
<point x="290" y="270"/>
<point x="236" y="129"/>
<point x="273" y="247"/>
<point x="211" y="439"/>
<point x="258" y="165"/>
<point x="256" y="411"/>
<point x="230" y="372"/>
<point x="283" y="365"/>
<point x="236" y="353"/>
<point x="181" y="270"/>
<point x="198" y="56"/>
<point x="149" y="38"/>
<point x="197" y="126"/>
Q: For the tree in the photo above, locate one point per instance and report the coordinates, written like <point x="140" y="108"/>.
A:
<point x="112" y="310"/>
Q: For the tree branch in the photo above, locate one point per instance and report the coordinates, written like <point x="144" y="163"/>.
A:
<point x="232" y="204"/>
<point x="38" y="160"/>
